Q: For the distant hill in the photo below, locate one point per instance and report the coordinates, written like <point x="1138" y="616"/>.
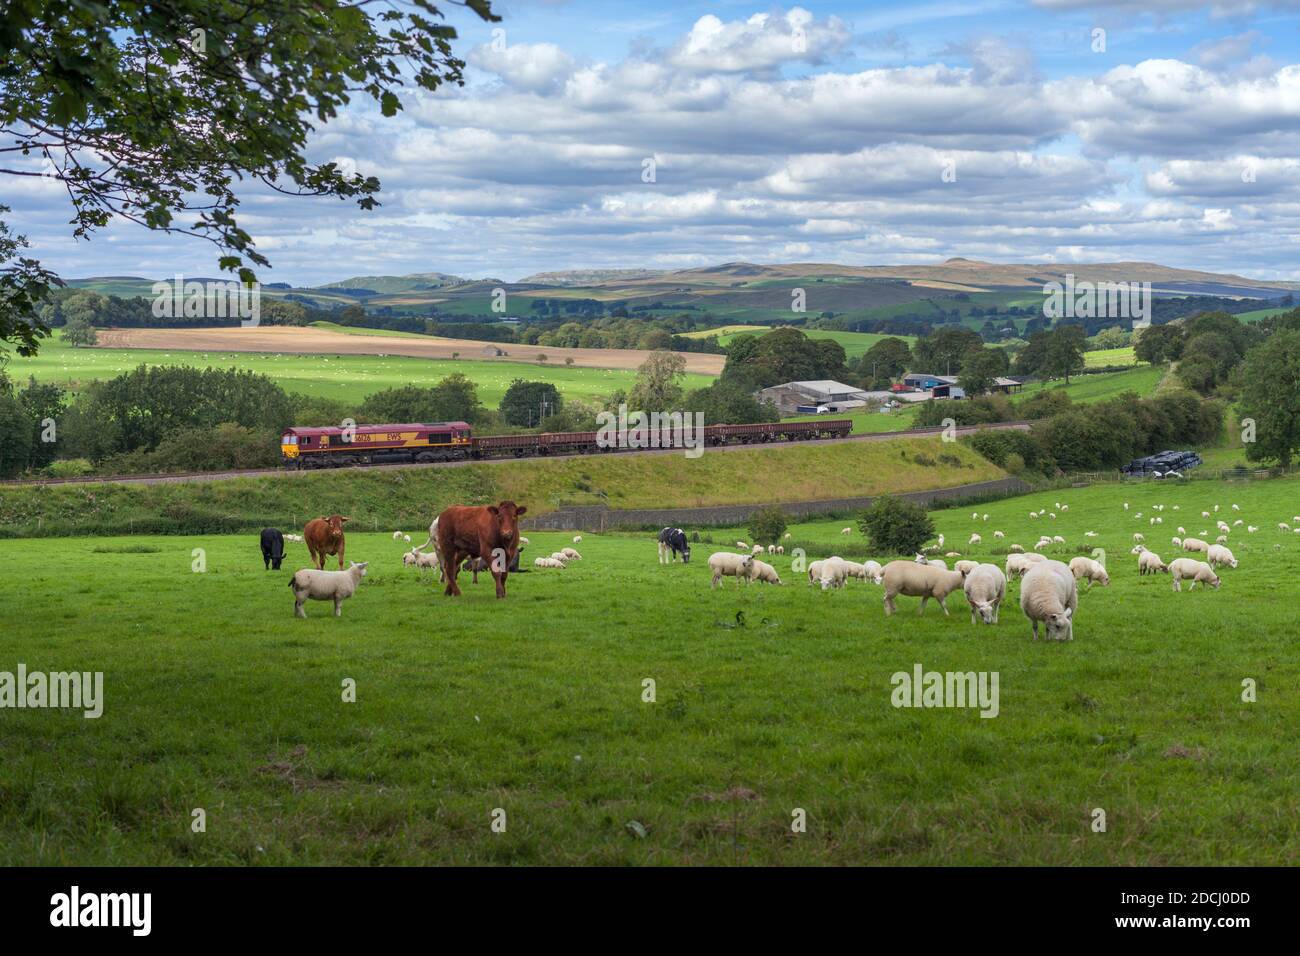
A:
<point x="407" y="283"/>
<point x="583" y="277"/>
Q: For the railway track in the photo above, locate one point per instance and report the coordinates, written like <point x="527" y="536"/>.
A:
<point x="180" y="477"/>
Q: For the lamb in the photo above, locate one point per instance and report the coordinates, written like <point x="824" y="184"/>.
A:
<point x="771" y="549"/>
<point x="547" y="563"/>
<point x="406" y="538"/>
<point x="577" y="539"/>
<point x="419" y="559"/>
<point x="742" y="545"/>
<point x="560" y="556"/>
<point x="965" y="567"/>
<point x="523" y="542"/>
<point x="975" y="539"/>
<point x="985" y="588"/>
<point x="762" y="571"/>
<point x="854" y="570"/>
<point x="1049" y="594"/>
<point x="1195" y="544"/>
<point x="1057" y="539"/>
<point x="1139" y="537"/>
<point x="873" y="571"/>
<point x="1016" y="549"/>
<point x="919" y="580"/>
<point x="756" y="549"/>
<point x="336" y="586"/>
<point x="1094" y="571"/>
<point x="396" y="535"/>
<point x="1218" y="555"/>
<point x="998" y="534"/>
<point x="1176" y="542"/>
<point x="725" y="564"/>
<point x="846" y="531"/>
<point x="780" y="549"/>
<point x="1149" y="563"/>
<point x="570" y="553"/>
<point x="1197" y="571"/>
<point x="1018" y="564"/>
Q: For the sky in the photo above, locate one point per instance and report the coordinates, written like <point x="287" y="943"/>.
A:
<point x="671" y="135"/>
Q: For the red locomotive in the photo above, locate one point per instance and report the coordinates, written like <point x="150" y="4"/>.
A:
<point x="428" y="442"/>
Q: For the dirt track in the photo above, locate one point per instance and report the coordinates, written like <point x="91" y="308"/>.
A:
<point x="307" y="341"/>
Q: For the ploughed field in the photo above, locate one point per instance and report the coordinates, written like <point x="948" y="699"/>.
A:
<point x="768" y="700"/>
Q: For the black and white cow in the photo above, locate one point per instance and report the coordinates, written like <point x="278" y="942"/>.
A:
<point x="672" y="542"/>
<point x="272" y="548"/>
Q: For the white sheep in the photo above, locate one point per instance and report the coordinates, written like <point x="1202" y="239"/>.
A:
<point x="742" y="545"/>
<point x="780" y="549"/>
<point x="1176" y="541"/>
<point x="1182" y="530"/>
<point x="1236" y="507"/>
<point x="998" y="534"/>
<point x="873" y="571"/>
<point x="1018" y="564"/>
<point x="1139" y="537"/>
<point x="1049" y="594"/>
<point x="396" y="535"/>
<point x="1057" y="539"/>
<point x="965" y="567"/>
<point x="1283" y="526"/>
<point x="523" y="542"/>
<point x="1252" y="528"/>
<point x="1198" y="572"/>
<point x="985" y="588"/>
<point x="975" y="539"/>
<point x="919" y="580"/>
<point x="1238" y="523"/>
<point x="548" y="563"/>
<point x="1195" y="544"/>
<point x="1094" y="571"/>
<point x="1149" y="563"/>
<point x="762" y="571"/>
<point x="771" y="549"/>
<point x="832" y="573"/>
<point x="986" y="517"/>
<point x="1218" y="555"/>
<point x="577" y="539"/>
<point x="786" y="536"/>
<point x="570" y="553"/>
<point x="336" y="586"/>
<point x="725" y="564"/>
<point x="1221" y="539"/>
<point x="1016" y="548"/>
<point x="406" y="538"/>
<point x="846" y="531"/>
<point x="561" y="557"/>
<point x="756" y="550"/>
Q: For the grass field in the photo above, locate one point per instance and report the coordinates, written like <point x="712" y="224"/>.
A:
<point x="1104" y="385"/>
<point x="1103" y="357"/>
<point x="376" y="497"/>
<point x="855" y="343"/>
<point x="347" y="378"/>
<point x="767" y="700"/>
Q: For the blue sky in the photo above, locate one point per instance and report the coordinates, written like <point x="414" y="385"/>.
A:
<point x="817" y="132"/>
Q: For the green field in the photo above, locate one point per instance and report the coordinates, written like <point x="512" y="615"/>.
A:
<point x="767" y="700"/>
<point x="1103" y="357"/>
<point x="347" y="378"/>
<point x="1105" y="385"/>
<point x="855" y="343"/>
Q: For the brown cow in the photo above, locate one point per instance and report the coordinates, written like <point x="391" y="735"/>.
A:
<point x="490" y="533"/>
<point x="324" y="536"/>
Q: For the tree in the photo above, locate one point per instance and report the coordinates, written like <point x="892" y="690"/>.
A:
<point x="657" y="387"/>
<point x="153" y="112"/>
<point x="525" y="404"/>
<point x="768" y="524"/>
<point x="1064" y="353"/>
<point x="943" y="351"/>
<point x="1270" y="396"/>
<point x="79" y="332"/>
<point x="895" y="526"/>
<point x="43" y="403"/>
<point x="885" y="361"/>
<point x="1159" y="344"/>
<point x="980" y="370"/>
<point x="15" y="431"/>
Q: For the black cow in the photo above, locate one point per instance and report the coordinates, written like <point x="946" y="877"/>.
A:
<point x="672" y="542"/>
<point x="272" y="548"/>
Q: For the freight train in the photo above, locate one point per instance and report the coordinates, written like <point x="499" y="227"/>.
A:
<point x="428" y="442"/>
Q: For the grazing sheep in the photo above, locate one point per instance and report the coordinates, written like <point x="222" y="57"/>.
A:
<point x="742" y="545"/>
<point x="1065" y="508"/>
<point x="1283" y="526"/>
<point x="1218" y="555"/>
<point x="998" y="534"/>
<point x="854" y="570"/>
<point x="1033" y="514"/>
<point x="560" y="556"/>
<point x="420" y="559"/>
<point x="547" y="563"/>
<point x="965" y="567"/>
<point x="762" y="571"/>
<point x="1126" y="506"/>
<point x="919" y="580"/>
<point x="1198" y="572"/>
<point x="1139" y="537"/>
<point x="1195" y="544"/>
<point x="1039" y="546"/>
<point x="406" y="538"/>
<point x="873" y="571"/>
<point x="975" y="539"/>
<point x="780" y="549"/>
<point x="974" y="516"/>
<point x="1205" y="514"/>
<point x="846" y="531"/>
<point x="771" y="549"/>
<point x="1016" y="549"/>
<point x="1221" y="539"/>
<point x="1238" y="523"/>
<point x="725" y="564"/>
<point x="1052" y="515"/>
<point x="523" y="542"/>
<point x="1149" y="563"/>
<point x="577" y="539"/>
<point x="786" y="536"/>
<point x="1057" y="539"/>
<point x="1090" y="534"/>
<point x="1176" y="541"/>
<point x="756" y="550"/>
<point x="396" y="535"/>
<point x="1182" y="530"/>
<point x="1252" y="528"/>
<point x="571" y="553"/>
<point x="1018" y="564"/>
<point x="316" y="585"/>
<point x="1049" y="594"/>
<point x="832" y="573"/>
<point x="410" y="557"/>
<point x="1082" y="567"/>
<point x="985" y="588"/>
<point x="937" y="563"/>
<point x="814" y="571"/>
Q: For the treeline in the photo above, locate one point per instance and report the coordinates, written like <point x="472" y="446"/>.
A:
<point x="1100" y="436"/>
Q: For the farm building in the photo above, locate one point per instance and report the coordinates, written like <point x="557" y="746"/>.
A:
<point x="945" y="386"/>
<point x="795" y="398"/>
